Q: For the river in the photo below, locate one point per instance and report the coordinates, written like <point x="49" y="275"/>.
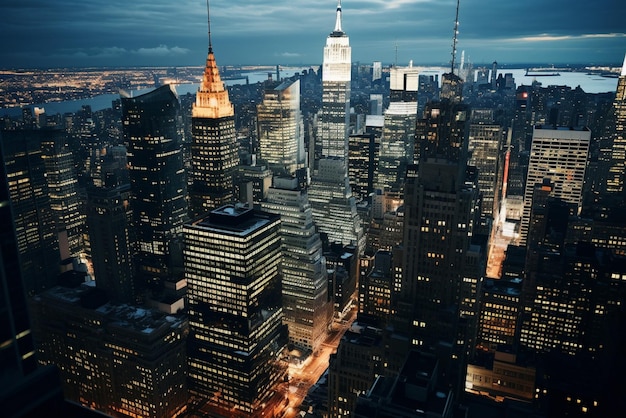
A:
<point x="589" y="83"/>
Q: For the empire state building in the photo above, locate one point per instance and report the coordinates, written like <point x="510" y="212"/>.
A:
<point x="334" y="119"/>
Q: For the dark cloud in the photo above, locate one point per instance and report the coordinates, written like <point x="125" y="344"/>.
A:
<point x="158" y="32"/>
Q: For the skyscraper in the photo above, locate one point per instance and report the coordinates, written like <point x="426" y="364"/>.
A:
<point x="281" y="128"/>
<point x="484" y="144"/>
<point x="37" y="241"/>
<point x="334" y="207"/>
<point x="153" y="138"/>
<point x="560" y="155"/>
<point x="616" y="181"/>
<point x="109" y="218"/>
<point x="306" y="307"/>
<point x="64" y="198"/>
<point x="396" y="144"/>
<point x="214" y="147"/>
<point x="232" y="258"/>
<point x="334" y="119"/>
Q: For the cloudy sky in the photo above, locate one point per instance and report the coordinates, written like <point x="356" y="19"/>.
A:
<point x="86" y="33"/>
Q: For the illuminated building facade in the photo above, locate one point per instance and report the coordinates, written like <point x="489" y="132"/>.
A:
<point x="64" y="198"/>
<point x="232" y="259"/>
<point x="153" y="137"/>
<point x="118" y="359"/>
<point x="396" y="144"/>
<point x="214" y="156"/>
<point x="616" y="180"/>
<point x="484" y="145"/>
<point x="334" y="207"/>
<point x="560" y="155"/>
<point x="281" y="128"/>
<point x="307" y="310"/>
<point x="361" y="164"/>
<point x="37" y="240"/>
<point x="334" y="118"/>
<point x="500" y="312"/>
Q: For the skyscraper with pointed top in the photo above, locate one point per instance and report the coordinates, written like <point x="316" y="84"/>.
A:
<point x="617" y="172"/>
<point x="334" y="120"/>
<point x="214" y="146"/>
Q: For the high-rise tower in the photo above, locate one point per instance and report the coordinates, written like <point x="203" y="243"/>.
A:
<point x="232" y="257"/>
<point x="307" y="311"/>
<point x="157" y="178"/>
<point x="281" y="129"/>
<point x="214" y="146"/>
<point x="616" y="180"/>
<point x="334" y="120"/>
<point x="37" y="241"/>
<point x="560" y="155"/>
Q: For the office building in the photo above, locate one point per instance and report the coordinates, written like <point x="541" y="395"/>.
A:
<point x="560" y="155"/>
<point x="307" y="310"/>
<point x="484" y="143"/>
<point x="396" y="145"/>
<point x="417" y="390"/>
<point x="361" y="164"/>
<point x="353" y="368"/>
<point x="26" y="389"/>
<point x="152" y="132"/>
<point x="441" y="131"/>
<point x="500" y="312"/>
<point x="214" y="143"/>
<point x="334" y="117"/>
<point x="403" y="83"/>
<point x="117" y="359"/>
<point x="65" y="201"/>
<point x="36" y="232"/>
<point x="334" y="206"/>
<point x="232" y="259"/>
<point x="281" y="128"/>
<point x="109" y="219"/>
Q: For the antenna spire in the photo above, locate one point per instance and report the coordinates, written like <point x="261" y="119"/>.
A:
<point x="208" y="14"/>
<point x="454" y="39"/>
<point x="338" y="21"/>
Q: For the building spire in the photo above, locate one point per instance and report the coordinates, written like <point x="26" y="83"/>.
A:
<point x="208" y="14"/>
<point x="454" y="39"/>
<point x="624" y="66"/>
<point x="338" y="21"/>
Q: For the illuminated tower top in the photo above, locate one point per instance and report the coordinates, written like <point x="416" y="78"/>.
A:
<point x="212" y="97"/>
<point x="624" y="67"/>
<point x="337" y="53"/>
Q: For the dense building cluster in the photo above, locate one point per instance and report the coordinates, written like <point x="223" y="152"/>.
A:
<point x="450" y="251"/>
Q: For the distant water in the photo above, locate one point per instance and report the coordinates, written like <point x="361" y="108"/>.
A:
<point x="589" y="83"/>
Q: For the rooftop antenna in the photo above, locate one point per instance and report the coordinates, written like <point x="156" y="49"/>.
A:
<point x="208" y="14"/>
<point x="396" y="64"/>
<point x="456" y="32"/>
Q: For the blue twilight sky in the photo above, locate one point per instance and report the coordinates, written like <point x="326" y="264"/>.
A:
<point x="89" y="33"/>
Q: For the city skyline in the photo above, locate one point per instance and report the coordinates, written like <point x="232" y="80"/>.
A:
<point x="93" y="34"/>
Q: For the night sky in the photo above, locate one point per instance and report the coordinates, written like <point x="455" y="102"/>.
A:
<point x="93" y="33"/>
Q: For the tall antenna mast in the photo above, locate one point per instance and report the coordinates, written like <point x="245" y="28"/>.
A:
<point x="456" y="32"/>
<point x="208" y="14"/>
<point x="396" y="53"/>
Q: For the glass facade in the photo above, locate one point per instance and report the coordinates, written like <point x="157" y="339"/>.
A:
<point x="37" y="240"/>
<point x="152" y="132"/>
<point x="281" y="128"/>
